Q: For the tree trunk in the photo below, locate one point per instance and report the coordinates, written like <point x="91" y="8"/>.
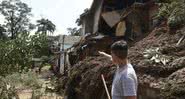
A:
<point x="12" y="26"/>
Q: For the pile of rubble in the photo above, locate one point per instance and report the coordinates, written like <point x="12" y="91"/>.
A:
<point x="84" y="80"/>
<point x="158" y="60"/>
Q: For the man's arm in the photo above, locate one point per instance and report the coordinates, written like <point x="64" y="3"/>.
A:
<point x="105" y="54"/>
<point x="130" y="97"/>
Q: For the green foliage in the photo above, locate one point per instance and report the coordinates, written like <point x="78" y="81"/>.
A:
<point x="16" y="14"/>
<point x="174" y="12"/>
<point x="6" y="90"/>
<point x="16" y="54"/>
<point x="177" y="18"/>
<point x="2" y="32"/>
<point x="24" y="80"/>
<point x="40" y="44"/>
<point x="45" y="26"/>
<point x="11" y="83"/>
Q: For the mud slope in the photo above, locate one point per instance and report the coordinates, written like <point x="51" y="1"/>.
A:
<point x="159" y="60"/>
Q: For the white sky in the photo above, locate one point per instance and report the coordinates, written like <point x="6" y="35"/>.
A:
<point x="63" y="13"/>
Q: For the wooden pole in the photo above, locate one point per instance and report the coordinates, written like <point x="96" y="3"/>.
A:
<point x="63" y="53"/>
<point x="65" y="68"/>
<point x="63" y="42"/>
<point x="108" y="95"/>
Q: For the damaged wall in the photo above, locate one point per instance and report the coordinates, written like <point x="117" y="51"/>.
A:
<point x="97" y="16"/>
<point x="137" y="22"/>
<point x="91" y="18"/>
<point x="87" y="23"/>
<point x="105" y="15"/>
<point x="116" y="20"/>
<point x="152" y="13"/>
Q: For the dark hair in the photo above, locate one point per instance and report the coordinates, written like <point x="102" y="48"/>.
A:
<point x="120" y="49"/>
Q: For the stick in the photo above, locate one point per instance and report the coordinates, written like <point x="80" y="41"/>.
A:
<point x="108" y="95"/>
<point x="181" y="39"/>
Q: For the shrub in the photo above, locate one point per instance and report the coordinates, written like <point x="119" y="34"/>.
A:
<point x="16" y="54"/>
<point x="173" y="11"/>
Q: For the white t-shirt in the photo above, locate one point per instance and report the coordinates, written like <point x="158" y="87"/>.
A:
<point x="124" y="83"/>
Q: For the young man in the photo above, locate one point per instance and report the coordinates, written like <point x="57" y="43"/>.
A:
<point x="125" y="81"/>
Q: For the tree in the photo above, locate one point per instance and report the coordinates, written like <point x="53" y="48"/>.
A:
<point x="16" y="54"/>
<point x="74" y="31"/>
<point x="2" y="32"/>
<point x="45" y="26"/>
<point x="16" y="15"/>
<point x="40" y="44"/>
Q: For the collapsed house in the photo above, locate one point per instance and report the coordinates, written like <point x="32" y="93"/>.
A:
<point x="129" y="18"/>
<point x="110" y="20"/>
<point x="158" y="58"/>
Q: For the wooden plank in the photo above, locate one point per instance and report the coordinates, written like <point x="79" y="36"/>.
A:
<point x="121" y="29"/>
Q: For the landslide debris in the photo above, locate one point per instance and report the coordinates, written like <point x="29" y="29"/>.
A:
<point x="158" y="60"/>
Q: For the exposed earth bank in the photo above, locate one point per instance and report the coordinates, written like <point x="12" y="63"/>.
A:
<point x="159" y="61"/>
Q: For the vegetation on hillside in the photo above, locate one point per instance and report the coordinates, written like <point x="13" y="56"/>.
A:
<point x="173" y="11"/>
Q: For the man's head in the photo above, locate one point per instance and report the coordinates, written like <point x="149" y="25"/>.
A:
<point x="119" y="51"/>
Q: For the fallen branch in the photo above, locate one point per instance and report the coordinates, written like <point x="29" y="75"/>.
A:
<point x="180" y="40"/>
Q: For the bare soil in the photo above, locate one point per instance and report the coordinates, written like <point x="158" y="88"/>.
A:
<point x="84" y="80"/>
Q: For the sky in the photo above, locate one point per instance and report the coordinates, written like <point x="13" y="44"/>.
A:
<point x="63" y="13"/>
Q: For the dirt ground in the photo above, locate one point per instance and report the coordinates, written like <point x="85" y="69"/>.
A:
<point x="158" y="60"/>
<point x="46" y="92"/>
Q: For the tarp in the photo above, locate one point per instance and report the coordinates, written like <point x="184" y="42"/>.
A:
<point x="111" y="18"/>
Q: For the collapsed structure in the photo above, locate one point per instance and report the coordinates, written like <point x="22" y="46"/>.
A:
<point x="110" y="20"/>
<point x="119" y="17"/>
<point x="157" y="55"/>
